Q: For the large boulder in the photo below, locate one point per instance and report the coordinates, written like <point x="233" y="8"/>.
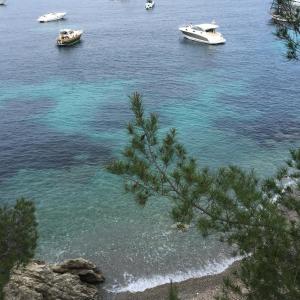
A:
<point x="72" y="280"/>
<point x="87" y="271"/>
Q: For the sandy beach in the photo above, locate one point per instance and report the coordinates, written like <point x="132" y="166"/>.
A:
<point x="203" y="288"/>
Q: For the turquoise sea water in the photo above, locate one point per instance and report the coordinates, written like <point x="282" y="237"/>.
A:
<point x="63" y="112"/>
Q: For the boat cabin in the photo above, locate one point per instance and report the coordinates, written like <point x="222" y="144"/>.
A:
<point x="66" y="32"/>
<point x="211" y="28"/>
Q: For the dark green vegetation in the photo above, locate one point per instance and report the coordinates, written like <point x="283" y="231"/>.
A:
<point x="18" y="237"/>
<point x="173" y="294"/>
<point x="229" y="202"/>
<point x="288" y="30"/>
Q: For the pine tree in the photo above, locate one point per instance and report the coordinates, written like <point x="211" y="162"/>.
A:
<point x="18" y="237"/>
<point x="259" y="219"/>
<point x="288" y="29"/>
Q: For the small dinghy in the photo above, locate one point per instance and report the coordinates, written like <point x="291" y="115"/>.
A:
<point x="2" y="2"/>
<point x="149" y="4"/>
<point x="68" y="37"/>
<point x="55" y="16"/>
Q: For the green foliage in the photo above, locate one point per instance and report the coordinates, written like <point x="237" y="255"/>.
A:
<point x="173" y="293"/>
<point x="289" y="29"/>
<point x="260" y="219"/>
<point x="18" y="237"/>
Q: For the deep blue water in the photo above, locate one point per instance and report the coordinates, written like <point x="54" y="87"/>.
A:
<point x="63" y="112"/>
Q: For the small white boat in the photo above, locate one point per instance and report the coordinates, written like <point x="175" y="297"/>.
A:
<point x="280" y="11"/>
<point x="278" y="18"/>
<point x="149" y="4"/>
<point x="2" y="2"/>
<point x="55" y="16"/>
<point x="68" y="37"/>
<point x="203" y="33"/>
<point x="296" y="3"/>
<point x="276" y="12"/>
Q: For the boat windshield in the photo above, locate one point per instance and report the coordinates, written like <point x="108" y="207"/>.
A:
<point x="199" y="28"/>
<point x="65" y="32"/>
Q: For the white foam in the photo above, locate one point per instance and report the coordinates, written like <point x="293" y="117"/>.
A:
<point x="141" y="284"/>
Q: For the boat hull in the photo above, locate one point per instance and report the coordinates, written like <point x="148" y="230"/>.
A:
<point x="203" y="40"/>
<point x="278" y="18"/>
<point x="51" y="18"/>
<point x="2" y="2"/>
<point x="68" y="44"/>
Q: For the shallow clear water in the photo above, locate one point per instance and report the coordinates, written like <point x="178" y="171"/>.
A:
<point x="63" y="111"/>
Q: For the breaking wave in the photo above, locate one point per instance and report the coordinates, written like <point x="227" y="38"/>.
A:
<point x="141" y="284"/>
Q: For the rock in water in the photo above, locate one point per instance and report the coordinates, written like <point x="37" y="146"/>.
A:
<point x="72" y="280"/>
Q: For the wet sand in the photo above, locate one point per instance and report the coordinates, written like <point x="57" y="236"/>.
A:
<point x="203" y="288"/>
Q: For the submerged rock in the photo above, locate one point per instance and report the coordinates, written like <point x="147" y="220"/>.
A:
<point x="74" y="279"/>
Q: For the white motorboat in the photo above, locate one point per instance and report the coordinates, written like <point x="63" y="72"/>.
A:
<point x="149" y="4"/>
<point x="278" y="18"/>
<point x="55" y="16"/>
<point x="296" y="3"/>
<point x="68" y="37"/>
<point x="203" y="33"/>
<point x="2" y="2"/>
<point x="277" y="12"/>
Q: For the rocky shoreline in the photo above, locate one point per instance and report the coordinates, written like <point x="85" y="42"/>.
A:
<point x="78" y="279"/>
<point x="74" y="279"/>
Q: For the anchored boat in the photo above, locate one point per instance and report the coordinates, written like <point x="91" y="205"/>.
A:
<point x="203" y="33"/>
<point x="149" y="4"/>
<point x="282" y="12"/>
<point x="68" y="37"/>
<point x="54" y="16"/>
